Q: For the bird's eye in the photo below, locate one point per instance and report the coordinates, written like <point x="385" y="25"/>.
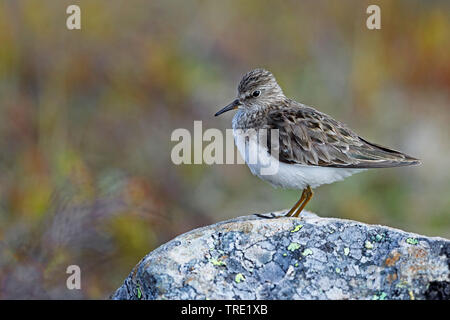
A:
<point x="256" y="93"/>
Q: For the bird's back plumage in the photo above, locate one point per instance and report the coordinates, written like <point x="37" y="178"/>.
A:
<point x="310" y="137"/>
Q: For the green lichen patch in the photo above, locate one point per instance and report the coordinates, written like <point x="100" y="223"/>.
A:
<point x="412" y="241"/>
<point x="217" y="262"/>
<point x="380" y="296"/>
<point x="296" y="265"/>
<point x="379" y="237"/>
<point x="307" y="252"/>
<point x="346" y="251"/>
<point x="284" y="254"/>
<point x="338" y="270"/>
<point x="293" y="246"/>
<point x="138" y="292"/>
<point x="239" y="277"/>
<point x="297" y="228"/>
<point x="368" y="245"/>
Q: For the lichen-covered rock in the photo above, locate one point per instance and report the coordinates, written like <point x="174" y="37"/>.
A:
<point x="257" y="257"/>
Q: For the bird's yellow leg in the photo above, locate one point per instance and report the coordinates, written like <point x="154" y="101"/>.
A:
<point x="299" y="202"/>
<point x="309" y="195"/>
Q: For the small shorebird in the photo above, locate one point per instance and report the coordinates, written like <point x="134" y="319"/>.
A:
<point x="313" y="148"/>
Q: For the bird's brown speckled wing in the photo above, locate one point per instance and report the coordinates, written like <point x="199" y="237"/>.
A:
<point x="309" y="137"/>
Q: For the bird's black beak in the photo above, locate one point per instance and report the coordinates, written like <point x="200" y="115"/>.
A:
<point x="234" y="105"/>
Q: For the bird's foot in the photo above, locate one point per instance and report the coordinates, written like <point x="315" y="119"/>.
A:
<point x="271" y="215"/>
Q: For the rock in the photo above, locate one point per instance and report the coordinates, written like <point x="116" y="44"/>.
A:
<point x="257" y="257"/>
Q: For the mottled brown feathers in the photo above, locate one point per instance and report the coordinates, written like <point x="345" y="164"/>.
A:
<point x="310" y="137"/>
<point x="254" y="79"/>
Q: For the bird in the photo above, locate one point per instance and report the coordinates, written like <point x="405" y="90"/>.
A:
<point x="311" y="147"/>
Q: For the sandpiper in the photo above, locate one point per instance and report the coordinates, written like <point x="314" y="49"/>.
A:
<point x="313" y="148"/>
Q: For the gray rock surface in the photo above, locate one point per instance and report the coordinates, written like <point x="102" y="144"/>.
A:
<point x="255" y="257"/>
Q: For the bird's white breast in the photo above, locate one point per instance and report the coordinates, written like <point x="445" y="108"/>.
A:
<point x="280" y="174"/>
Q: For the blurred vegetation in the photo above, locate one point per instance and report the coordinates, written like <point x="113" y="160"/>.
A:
<point x="86" y="118"/>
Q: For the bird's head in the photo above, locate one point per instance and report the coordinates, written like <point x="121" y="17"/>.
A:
<point x="258" y="89"/>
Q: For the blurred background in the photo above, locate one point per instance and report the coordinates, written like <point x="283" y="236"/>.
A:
<point x="86" y="118"/>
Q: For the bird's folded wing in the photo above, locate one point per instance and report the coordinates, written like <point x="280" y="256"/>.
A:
<point x="309" y="137"/>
